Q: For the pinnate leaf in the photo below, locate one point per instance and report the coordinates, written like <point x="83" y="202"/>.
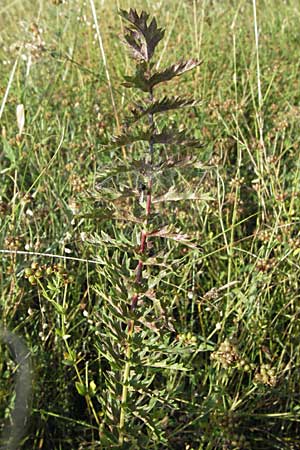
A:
<point x="173" y="136"/>
<point x="168" y="232"/>
<point x="174" y="71"/>
<point x="166" y="136"/>
<point x="141" y="38"/>
<point x="165" y="104"/>
<point x="137" y="47"/>
<point x="173" y="196"/>
<point x="180" y="162"/>
<point x="127" y="138"/>
<point x="141" y="80"/>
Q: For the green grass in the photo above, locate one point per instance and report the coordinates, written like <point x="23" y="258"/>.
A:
<point x="216" y="357"/>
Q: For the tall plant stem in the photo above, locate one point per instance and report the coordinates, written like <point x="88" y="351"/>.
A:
<point x="144" y="232"/>
<point x="138" y="280"/>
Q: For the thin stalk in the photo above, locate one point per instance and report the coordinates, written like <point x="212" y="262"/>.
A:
<point x="261" y="152"/>
<point x="257" y="56"/>
<point x="10" y="81"/>
<point x="109" y="83"/>
<point x="48" y="255"/>
<point x="167" y="39"/>
<point x="125" y="384"/>
<point x="104" y="60"/>
<point x="239" y="162"/>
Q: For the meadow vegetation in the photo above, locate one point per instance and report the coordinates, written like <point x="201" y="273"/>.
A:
<point x="199" y="350"/>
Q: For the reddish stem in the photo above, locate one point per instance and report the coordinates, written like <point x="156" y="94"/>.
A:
<point x="143" y="245"/>
<point x="139" y="270"/>
<point x="143" y="241"/>
<point x="134" y="303"/>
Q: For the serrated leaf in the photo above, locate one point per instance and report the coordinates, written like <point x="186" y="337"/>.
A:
<point x="131" y="165"/>
<point x="168" y="233"/>
<point x="141" y="38"/>
<point x="131" y="137"/>
<point x="174" y="71"/>
<point x="187" y="161"/>
<point x="120" y="214"/>
<point x="97" y="215"/>
<point x="146" y="84"/>
<point x="165" y="104"/>
<point x="111" y="195"/>
<point x="138" y="48"/>
<point x="175" y="137"/>
<point x="166" y="136"/>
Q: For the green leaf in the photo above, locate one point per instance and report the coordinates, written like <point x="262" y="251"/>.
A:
<point x="92" y="389"/>
<point x="121" y="215"/>
<point x="68" y="362"/>
<point x="60" y="309"/>
<point x="81" y="389"/>
<point x="131" y="165"/>
<point x="110" y="195"/>
<point x="106" y="350"/>
<point x="9" y="152"/>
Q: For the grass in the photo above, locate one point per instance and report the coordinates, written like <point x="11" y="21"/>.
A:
<point x="216" y="358"/>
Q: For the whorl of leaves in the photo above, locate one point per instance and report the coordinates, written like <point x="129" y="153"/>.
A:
<point x="140" y="37"/>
